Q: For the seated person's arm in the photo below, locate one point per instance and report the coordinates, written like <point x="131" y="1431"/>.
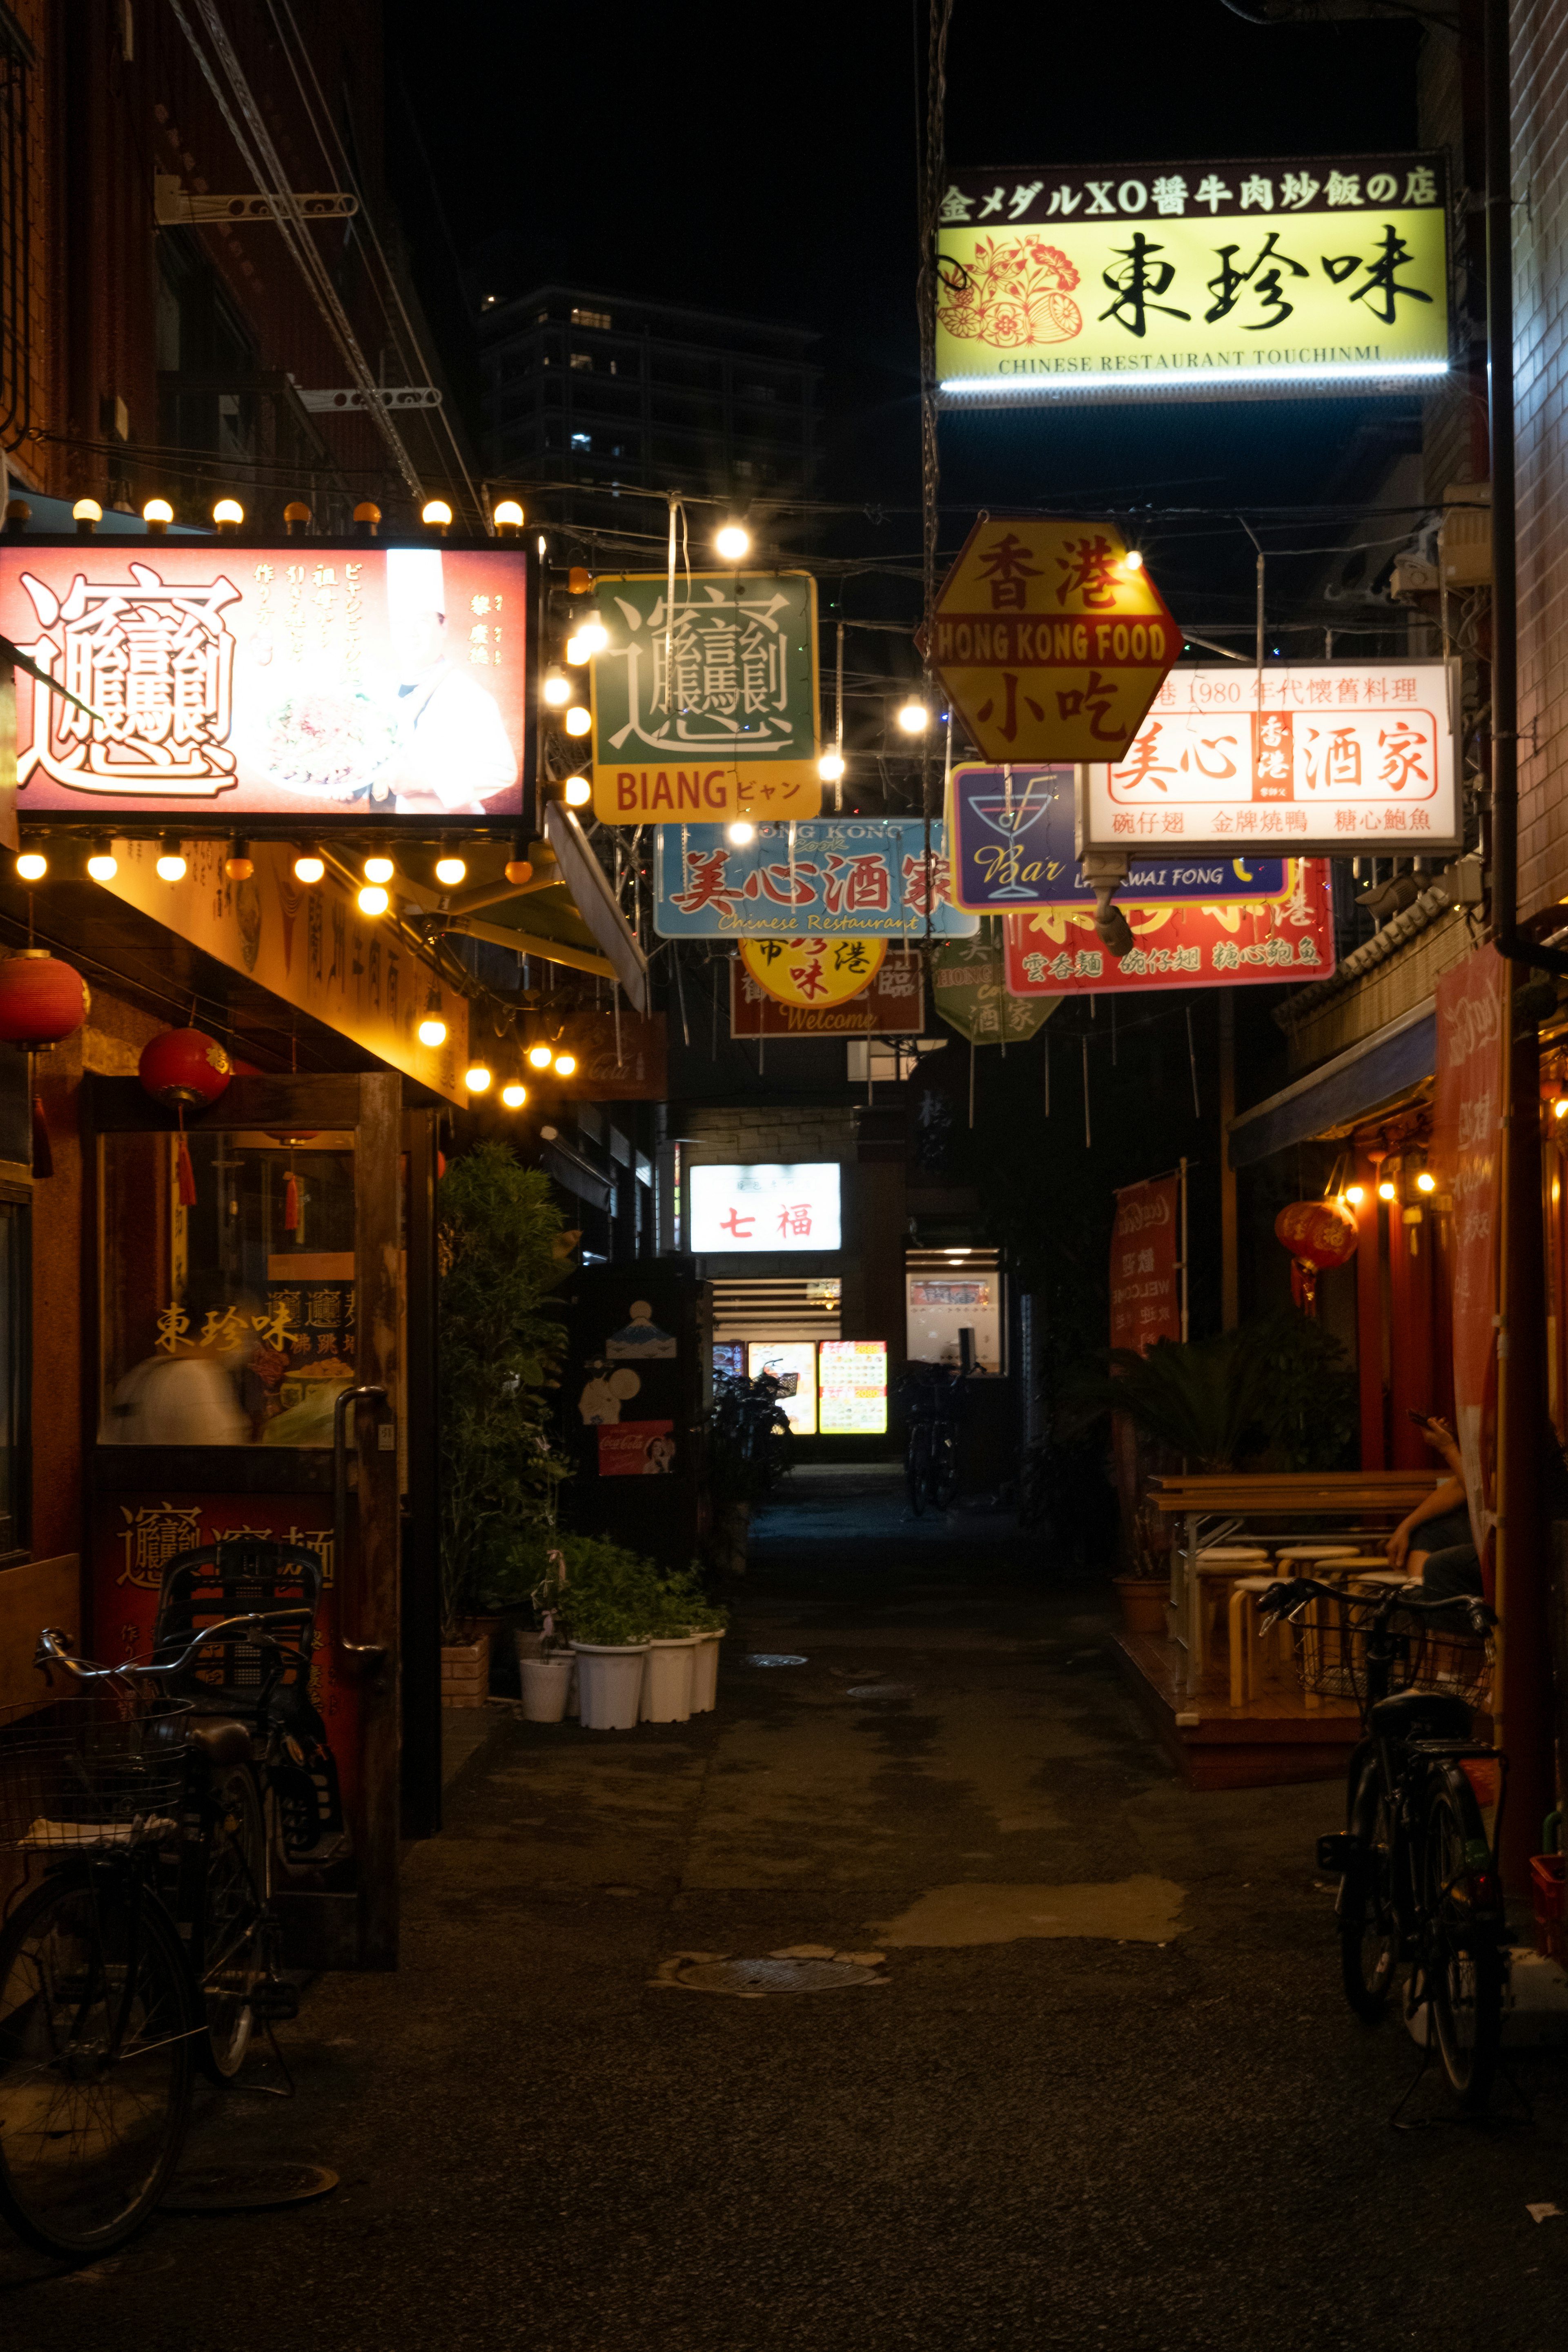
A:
<point x="1448" y="1497"/>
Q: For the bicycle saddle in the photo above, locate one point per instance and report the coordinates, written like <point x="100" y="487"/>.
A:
<point x="1421" y="1715"/>
<point x="219" y="1740"/>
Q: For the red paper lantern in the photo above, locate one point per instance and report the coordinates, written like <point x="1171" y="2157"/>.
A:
<point x="1318" y="1234"/>
<point x="184" y="1070"/>
<point x="41" y="1002"/>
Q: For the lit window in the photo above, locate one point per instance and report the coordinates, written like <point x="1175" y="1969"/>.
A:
<point x="600" y="318"/>
<point x="582" y="360"/>
<point x="582" y="440"/>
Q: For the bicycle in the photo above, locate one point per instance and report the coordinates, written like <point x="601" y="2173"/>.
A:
<point x="1420" y="1883"/>
<point x="748" y="1417"/>
<point x="147" y="1948"/>
<point x="932" y="1397"/>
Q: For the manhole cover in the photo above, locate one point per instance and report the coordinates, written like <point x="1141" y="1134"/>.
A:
<point x="246" y="2188"/>
<point x="774" y="1658"/>
<point x="774" y="1976"/>
<point x="881" y="1690"/>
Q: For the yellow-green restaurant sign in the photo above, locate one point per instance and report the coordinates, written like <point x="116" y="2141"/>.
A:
<point x="1202" y="280"/>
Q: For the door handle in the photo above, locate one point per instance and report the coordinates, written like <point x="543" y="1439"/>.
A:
<point x="369" y="1656"/>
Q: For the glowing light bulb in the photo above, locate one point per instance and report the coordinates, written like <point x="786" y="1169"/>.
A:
<point x="913" y="717"/>
<point x="477" y="1078"/>
<point x="1426" y="1182"/>
<point x="228" y="514"/>
<point x="514" y="1095"/>
<point x="239" y="865"/>
<point x="432" y="1030"/>
<point x="733" y="542"/>
<point x="103" y="865"/>
<point x="450" y="871"/>
<point x="556" y="689"/>
<point x="436" y="514"/>
<point x="578" y="721"/>
<point x="1133" y="559"/>
<point x="576" y="649"/>
<point x="308" y="868"/>
<point x="593" y="634"/>
<point x="157" y="514"/>
<point x="32" y="866"/>
<point x="379" y="869"/>
<point x="1355" y="1194"/>
<point x="1387" y="1191"/>
<point x="372" y="899"/>
<point x="509" y="516"/>
<point x="579" y="792"/>
<point x="171" y="866"/>
<point x="564" y="1065"/>
<point x="540" y="1057"/>
<point x="1560" y="1108"/>
<point x="741" y="832"/>
<point x="830" y="767"/>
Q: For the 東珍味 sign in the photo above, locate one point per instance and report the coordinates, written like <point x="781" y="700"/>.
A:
<point x="845" y="876"/>
<point x="709" y="712"/>
<point x="1346" y="757"/>
<point x="1198" y="278"/>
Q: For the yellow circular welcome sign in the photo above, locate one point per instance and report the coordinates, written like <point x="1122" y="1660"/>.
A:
<point x="813" y="971"/>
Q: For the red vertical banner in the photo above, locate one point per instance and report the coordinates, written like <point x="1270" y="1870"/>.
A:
<point x="1472" y="1033"/>
<point x="1145" y="1301"/>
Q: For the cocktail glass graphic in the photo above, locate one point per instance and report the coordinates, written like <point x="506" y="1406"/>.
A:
<point x="1011" y="810"/>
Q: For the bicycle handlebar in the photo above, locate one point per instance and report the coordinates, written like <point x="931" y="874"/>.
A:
<point x="1291" y="1593"/>
<point x="51" y="1649"/>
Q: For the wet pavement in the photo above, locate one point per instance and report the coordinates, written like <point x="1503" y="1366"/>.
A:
<point x="1075" y="2071"/>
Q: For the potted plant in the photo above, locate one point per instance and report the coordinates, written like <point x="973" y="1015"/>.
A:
<point x="500" y="1239"/>
<point x="707" y="1623"/>
<point x="609" y="1639"/>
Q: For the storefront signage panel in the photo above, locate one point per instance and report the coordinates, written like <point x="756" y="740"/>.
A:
<point x="1145" y="1303"/>
<point x="847" y="875"/>
<point x="852" y="1387"/>
<point x="765" y="1207"/>
<point x="969" y="989"/>
<point x="713" y="712"/>
<point x="1345" y="758"/>
<point x="1013" y="834"/>
<point x="810" y="972"/>
<point x="1473" y="1027"/>
<point x="1198" y="278"/>
<point x="1057" y="952"/>
<point x="893" y="1005"/>
<point x="319" y="683"/>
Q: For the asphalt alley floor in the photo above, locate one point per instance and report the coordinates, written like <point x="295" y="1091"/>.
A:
<point x="1099" y="2089"/>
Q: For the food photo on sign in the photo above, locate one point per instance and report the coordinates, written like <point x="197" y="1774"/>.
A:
<point x="307" y="680"/>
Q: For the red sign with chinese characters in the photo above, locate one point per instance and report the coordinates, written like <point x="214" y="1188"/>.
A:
<point x="1472" y="1057"/>
<point x="308" y="680"/>
<point x="1145" y="1301"/>
<point x="1056" y="951"/>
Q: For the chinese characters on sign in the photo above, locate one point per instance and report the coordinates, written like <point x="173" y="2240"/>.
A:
<point x="1345" y="756"/>
<point x="1013" y="847"/>
<point x="385" y="681"/>
<point x="807" y="971"/>
<point x="1199" y="278"/>
<point x="842" y="877"/>
<point x="712" y="713"/>
<point x="1056" y="950"/>
<point x="1468" y="1136"/>
<point x="772" y="1207"/>
<point x="1051" y="643"/>
<point x="1145" y="1304"/>
<point x="969" y="989"/>
<point x="892" y="1005"/>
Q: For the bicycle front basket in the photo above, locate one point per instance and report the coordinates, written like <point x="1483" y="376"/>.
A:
<point x="94" y="1771"/>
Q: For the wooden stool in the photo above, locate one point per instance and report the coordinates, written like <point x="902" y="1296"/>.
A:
<point x="1301" y="1552"/>
<point x="1222" y="1563"/>
<point x="1246" y="1646"/>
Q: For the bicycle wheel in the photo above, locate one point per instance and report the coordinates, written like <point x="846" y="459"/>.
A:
<point x="233" y="1955"/>
<point x="1461" y="1954"/>
<point x="1368" y="1915"/>
<point x="915" y="1467"/>
<point x="96" y="2060"/>
<point x="944" y="1469"/>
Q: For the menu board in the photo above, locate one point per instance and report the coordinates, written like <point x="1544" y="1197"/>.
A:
<point x="853" y="1387"/>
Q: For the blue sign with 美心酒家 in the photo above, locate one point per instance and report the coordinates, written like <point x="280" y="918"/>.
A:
<point x="842" y="877"/>
<point x="1012" y="846"/>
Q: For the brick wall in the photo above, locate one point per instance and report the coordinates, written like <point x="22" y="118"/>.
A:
<point x="765" y="1133"/>
<point x="1541" y="299"/>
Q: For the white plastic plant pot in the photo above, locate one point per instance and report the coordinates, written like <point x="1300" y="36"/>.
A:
<point x="705" y="1673"/>
<point x="667" y="1684"/>
<point x="610" y="1682"/>
<point x="545" y="1684"/>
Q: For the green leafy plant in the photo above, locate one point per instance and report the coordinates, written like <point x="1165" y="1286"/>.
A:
<point x="1307" y="1395"/>
<point x="501" y="1255"/>
<point x="598" y="1592"/>
<point x="1281" y="1388"/>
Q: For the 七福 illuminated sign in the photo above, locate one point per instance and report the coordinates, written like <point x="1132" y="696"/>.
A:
<point x="790" y="1206"/>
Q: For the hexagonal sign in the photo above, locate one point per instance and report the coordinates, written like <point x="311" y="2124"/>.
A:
<point x="1051" y="639"/>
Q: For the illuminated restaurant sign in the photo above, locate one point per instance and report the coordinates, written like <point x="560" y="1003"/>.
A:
<point x="763" y="1207"/>
<point x="1200" y="278"/>
<point x="322" y="683"/>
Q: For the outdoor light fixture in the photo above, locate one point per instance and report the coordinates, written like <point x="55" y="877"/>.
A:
<point x="379" y="869"/>
<point x="477" y="1078"/>
<point x="32" y="866"/>
<point x="449" y="871"/>
<point x="1355" y="1194"/>
<point x="1388" y="1191"/>
<point x="1426" y="1182"/>
<point x="435" y="515"/>
<point x="741" y="832"/>
<point x="1133" y="559"/>
<point x="579" y="792"/>
<point x="296" y="516"/>
<point x="239" y="865"/>
<point x="87" y="514"/>
<point x="103" y="864"/>
<point x="592" y="632"/>
<point x="733" y="542"/>
<point x="518" y="868"/>
<point x="1560" y="1108"/>
<point x="509" y="516"/>
<point x="310" y="865"/>
<point x="578" y="721"/>
<point x="433" y="1028"/>
<point x="913" y="717"/>
<point x="540" y="1057"/>
<point x="514" y="1095"/>
<point x="171" y="859"/>
<point x="577" y="649"/>
<point x="372" y="899"/>
<point x="564" y="1065"/>
<point x="556" y="689"/>
<point x="157" y="514"/>
<point x="830" y="767"/>
<point x="228" y="514"/>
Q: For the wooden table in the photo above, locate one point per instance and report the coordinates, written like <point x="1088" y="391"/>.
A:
<point x="1211" y="1508"/>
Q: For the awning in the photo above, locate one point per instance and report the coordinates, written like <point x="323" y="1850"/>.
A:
<point x="1370" y="1077"/>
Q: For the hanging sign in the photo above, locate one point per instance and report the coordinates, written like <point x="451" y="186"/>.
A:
<point x="1049" y="642"/>
<point x="1344" y="757"/>
<point x="807" y="971"/>
<point x="1057" y="952"/>
<point x="1013" y="836"/>
<point x="969" y="989"/>
<point x="1145" y="1303"/>
<point x="847" y="877"/>
<point x="1472" y="1076"/>
<point x="1203" y="280"/>
<point x="731" y="730"/>
<point x="892" y="1005"/>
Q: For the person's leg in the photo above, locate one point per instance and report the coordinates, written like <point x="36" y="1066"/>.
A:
<point x="1452" y="1575"/>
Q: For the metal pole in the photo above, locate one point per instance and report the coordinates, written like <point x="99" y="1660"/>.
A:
<point x="1229" y="1275"/>
<point x="1183" y="1202"/>
<point x="838" y="727"/>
